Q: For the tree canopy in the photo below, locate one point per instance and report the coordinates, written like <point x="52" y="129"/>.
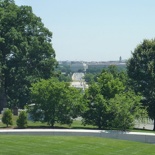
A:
<point x="26" y="53"/>
<point x="141" y="71"/>
<point x="55" y="102"/>
<point x="95" y="108"/>
<point x="126" y="108"/>
<point x="110" y="86"/>
<point x="108" y="104"/>
<point x="7" y="117"/>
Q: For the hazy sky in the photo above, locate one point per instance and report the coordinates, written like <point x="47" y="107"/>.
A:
<point x="95" y="30"/>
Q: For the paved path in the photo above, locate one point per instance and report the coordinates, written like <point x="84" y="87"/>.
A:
<point x="78" y="77"/>
<point x="144" y="126"/>
<point x="148" y="125"/>
<point x="132" y="136"/>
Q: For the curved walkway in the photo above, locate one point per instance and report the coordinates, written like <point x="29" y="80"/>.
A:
<point x="132" y="136"/>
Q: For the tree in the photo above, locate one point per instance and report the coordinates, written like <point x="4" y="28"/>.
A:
<point x="108" y="104"/>
<point x="26" y="53"/>
<point x="7" y="117"/>
<point x="97" y="98"/>
<point x="89" y="78"/>
<point x="96" y="108"/>
<point x="141" y="71"/>
<point x="64" y="68"/>
<point x="54" y="102"/>
<point x="126" y="108"/>
<point x="113" y="70"/>
<point x="64" y="77"/>
<point x="117" y="72"/>
<point x="109" y="85"/>
<point x="22" y="120"/>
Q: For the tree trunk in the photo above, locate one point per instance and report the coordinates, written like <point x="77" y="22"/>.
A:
<point x="2" y="101"/>
<point x="154" y="126"/>
<point x="52" y="124"/>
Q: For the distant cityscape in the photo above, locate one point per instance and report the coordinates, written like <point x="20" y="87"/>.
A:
<point x="78" y="69"/>
<point x="76" y="66"/>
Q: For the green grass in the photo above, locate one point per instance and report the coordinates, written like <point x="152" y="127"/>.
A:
<point x="61" y="145"/>
<point x="77" y="124"/>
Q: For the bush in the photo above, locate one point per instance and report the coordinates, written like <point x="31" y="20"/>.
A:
<point x="7" y="117"/>
<point x="22" y="120"/>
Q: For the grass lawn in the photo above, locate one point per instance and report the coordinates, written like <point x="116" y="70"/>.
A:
<point x="68" y="145"/>
<point x="77" y="124"/>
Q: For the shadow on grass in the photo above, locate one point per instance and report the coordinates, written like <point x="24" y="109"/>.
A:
<point x="5" y="127"/>
<point x="46" y="127"/>
<point x="74" y="127"/>
<point x="59" y="127"/>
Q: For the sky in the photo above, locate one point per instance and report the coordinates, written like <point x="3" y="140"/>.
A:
<point x="95" y="30"/>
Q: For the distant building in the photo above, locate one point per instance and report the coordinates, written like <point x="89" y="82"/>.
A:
<point x="106" y="64"/>
<point x="78" y="66"/>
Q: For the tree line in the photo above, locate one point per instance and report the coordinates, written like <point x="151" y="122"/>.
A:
<point x="28" y="74"/>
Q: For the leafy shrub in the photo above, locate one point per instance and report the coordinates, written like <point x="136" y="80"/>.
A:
<point x="7" y="117"/>
<point x="22" y="120"/>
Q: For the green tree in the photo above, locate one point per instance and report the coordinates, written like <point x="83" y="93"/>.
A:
<point x="97" y="97"/>
<point x="22" y="120"/>
<point x="117" y="73"/>
<point x="26" y="53"/>
<point x="109" y="85"/>
<point x="141" y="71"/>
<point x="89" y="78"/>
<point x="108" y="104"/>
<point x="7" y="117"/>
<point x="64" y="78"/>
<point x="96" y="108"/>
<point x="112" y="69"/>
<point x="64" y="68"/>
<point x="55" y="102"/>
<point x="95" y="69"/>
<point x="126" y="108"/>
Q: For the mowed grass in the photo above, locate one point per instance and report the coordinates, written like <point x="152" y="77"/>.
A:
<point x="69" y="145"/>
<point x="77" y="124"/>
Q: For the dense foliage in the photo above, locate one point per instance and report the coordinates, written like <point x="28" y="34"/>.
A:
<point x="22" y="120"/>
<point x="7" y="117"/>
<point x="114" y="70"/>
<point x="26" y="53"/>
<point x="90" y="78"/>
<point x="109" y="104"/>
<point x="126" y="108"/>
<point x="55" y="102"/>
<point x="141" y="71"/>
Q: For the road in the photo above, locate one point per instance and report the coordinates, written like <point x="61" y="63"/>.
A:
<point x="78" y="77"/>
